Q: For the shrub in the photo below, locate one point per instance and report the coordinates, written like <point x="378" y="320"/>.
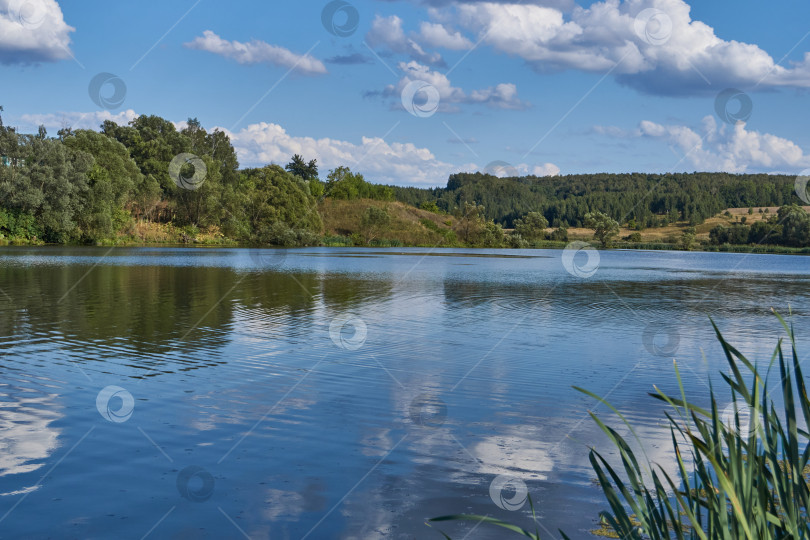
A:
<point x="280" y="234"/>
<point x="633" y="237"/>
<point x="559" y="234"/>
<point x="492" y="235"/>
<point x="688" y="238"/>
<point x="428" y="224"/>
<point x="430" y="206"/>
<point x="515" y="240"/>
<point x="736" y="234"/>
<point x="19" y="225"/>
<point x="374" y="222"/>
<point x="532" y="226"/>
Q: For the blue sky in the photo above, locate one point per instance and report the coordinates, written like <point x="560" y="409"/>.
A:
<point x="550" y="87"/>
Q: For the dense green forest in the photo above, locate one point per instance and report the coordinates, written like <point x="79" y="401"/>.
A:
<point x="85" y="186"/>
<point x="644" y="200"/>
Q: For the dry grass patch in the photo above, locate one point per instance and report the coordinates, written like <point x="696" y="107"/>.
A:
<point x="342" y="218"/>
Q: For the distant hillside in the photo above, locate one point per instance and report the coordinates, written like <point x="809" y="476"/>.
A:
<point x="650" y="200"/>
<point x="674" y="231"/>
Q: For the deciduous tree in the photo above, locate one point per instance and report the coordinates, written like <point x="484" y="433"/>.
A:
<point x="605" y="228"/>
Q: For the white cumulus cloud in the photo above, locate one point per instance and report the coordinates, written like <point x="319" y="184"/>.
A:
<point x="671" y="55"/>
<point x="76" y="120"/>
<point x="387" y="32"/>
<point x="546" y="169"/>
<point x="723" y="147"/>
<point x="500" y="96"/>
<point x="257" y="52"/>
<point x="380" y="161"/>
<point x="33" y="31"/>
<point x="502" y="169"/>
<point x="436" y="35"/>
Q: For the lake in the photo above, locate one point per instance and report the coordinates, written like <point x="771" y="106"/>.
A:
<point x="349" y="393"/>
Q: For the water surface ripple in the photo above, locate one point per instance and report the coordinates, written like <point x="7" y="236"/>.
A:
<point x="346" y="393"/>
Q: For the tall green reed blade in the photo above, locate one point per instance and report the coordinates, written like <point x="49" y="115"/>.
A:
<point x="735" y="485"/>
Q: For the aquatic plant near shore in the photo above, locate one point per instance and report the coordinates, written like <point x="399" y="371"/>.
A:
<point x="748" y="468"/>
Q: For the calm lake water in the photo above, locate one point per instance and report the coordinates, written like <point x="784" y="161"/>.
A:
<point x="348" y="393"/>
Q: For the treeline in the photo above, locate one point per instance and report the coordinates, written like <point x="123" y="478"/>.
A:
<point x="85" y="186"/>
<point x="642" y="200"/>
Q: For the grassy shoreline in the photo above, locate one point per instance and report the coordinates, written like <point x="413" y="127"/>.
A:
<point x="345" y="223"/>
<point x="207" y="240"/>
<point x="414" y="227"/>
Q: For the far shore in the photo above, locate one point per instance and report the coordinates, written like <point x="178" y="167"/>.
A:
<point x="617" y="246"/>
